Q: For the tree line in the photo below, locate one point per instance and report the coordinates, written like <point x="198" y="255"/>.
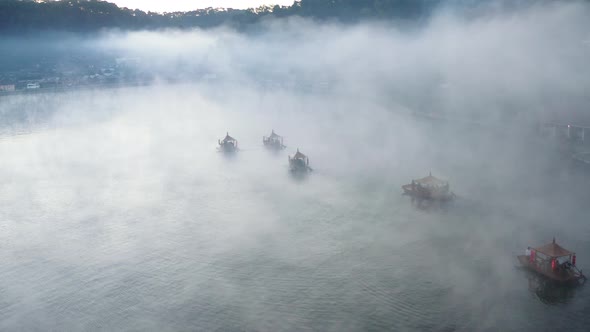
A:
<point x="18" y="16"/>
<point x="91" y="15"/>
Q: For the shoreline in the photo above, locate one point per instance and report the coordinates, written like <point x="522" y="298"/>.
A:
<point x="72" y="88"/>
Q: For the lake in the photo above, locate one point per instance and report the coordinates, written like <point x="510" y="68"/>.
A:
<point x="118" y="213"/>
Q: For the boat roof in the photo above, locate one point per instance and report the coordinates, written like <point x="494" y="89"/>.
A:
<point x="553" y="250"/>
<point x="228" y="138"/>
<point x="273" y="135"/>
<point x="299" y="155"/>
<point x="431" y="180"/>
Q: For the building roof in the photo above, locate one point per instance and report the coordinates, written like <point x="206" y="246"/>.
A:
<point x="431" y="180"/>
<point x="553" y="250"/>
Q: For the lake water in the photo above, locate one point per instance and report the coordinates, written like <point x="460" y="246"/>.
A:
<point x="118" y="213"/>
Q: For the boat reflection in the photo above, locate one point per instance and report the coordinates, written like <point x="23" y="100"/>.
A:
<point x="549" y="291"/>
<point x="299" y="176"/>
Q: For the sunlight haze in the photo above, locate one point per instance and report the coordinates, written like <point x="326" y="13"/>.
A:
<point x="348" y="166"/>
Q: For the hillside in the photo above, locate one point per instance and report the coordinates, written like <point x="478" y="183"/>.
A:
<point x="18" y="16"/>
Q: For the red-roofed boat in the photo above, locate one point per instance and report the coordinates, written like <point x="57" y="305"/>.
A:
<point x="553" y="262"/>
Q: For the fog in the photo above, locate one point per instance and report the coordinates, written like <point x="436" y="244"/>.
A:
<point x="120" y="214"/>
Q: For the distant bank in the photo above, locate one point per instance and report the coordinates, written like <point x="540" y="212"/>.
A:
<point x="63" y="88"/>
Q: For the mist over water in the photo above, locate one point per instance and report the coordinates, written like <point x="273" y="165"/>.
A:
<point x="120" y="214"/>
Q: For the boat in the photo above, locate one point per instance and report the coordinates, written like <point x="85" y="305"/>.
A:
<point x="228" y="144"/>
<point x="429" y="188"/>
<point x="299" y="162"/>
<point x="553" y="262"/>
<point x="273" y="141"/>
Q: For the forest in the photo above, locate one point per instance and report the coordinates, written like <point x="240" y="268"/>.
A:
<point x="21" y="16"/>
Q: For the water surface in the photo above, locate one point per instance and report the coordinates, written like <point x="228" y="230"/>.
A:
<point x="118" y="213"/>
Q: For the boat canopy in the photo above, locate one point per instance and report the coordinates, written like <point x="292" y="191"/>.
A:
<point x="553" y="250"/>
<point x="431" y="180"/>
<point x="228" y="138"/>
<point x="299" y="155"/>
<point x="273" y="135"/>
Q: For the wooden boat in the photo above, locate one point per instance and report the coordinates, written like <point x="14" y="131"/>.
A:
<point x="273" y="141"/>
<point x="429" y="188"/>
<point x="299" y="162"/>
<point x="228" y="144"/>
<point x="553" y="262"/>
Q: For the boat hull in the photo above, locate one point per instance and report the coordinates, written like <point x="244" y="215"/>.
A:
<point x="228" y="148"/>
<point x="569" y="276"/>
<point x="443" y="197"/>
<point x="274" y="146"/>
<point x="298" y="165"/>
<point x="299" y="169"/>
